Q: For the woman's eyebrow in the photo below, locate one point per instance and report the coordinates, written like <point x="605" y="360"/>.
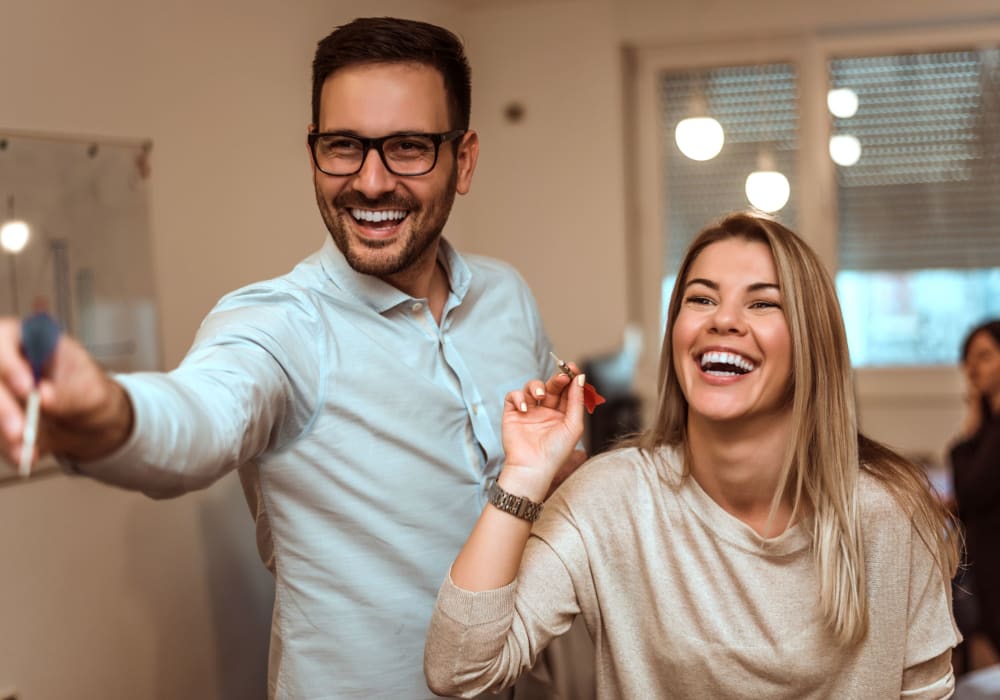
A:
<point x="701" y="280"/>
<point x="755" y="287"/>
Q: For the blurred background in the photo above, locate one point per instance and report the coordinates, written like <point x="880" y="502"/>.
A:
<point x="870" y="128"/>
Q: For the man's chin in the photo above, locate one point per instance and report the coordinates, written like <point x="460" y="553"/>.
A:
<point x="375" y="261"/>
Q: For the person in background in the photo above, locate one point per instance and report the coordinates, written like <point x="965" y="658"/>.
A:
<point x="975" y="462"/>
<point x="359" y="396"/>
<point x="752" y="543"/>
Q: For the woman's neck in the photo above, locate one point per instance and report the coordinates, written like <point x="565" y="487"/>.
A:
<point x="739" y="466"/>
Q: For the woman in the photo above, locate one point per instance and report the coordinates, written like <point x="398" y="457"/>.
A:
<point x="975" y="461"/>
<point x="750" y="544"/>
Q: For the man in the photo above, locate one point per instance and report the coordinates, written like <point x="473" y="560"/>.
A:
<point x="359" y="395"/>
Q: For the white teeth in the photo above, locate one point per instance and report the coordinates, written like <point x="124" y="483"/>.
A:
<point x="377" y="216"/>
<point x="740" y="364"/>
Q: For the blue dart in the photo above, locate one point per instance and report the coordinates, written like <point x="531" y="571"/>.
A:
<point x="39" y="335"/>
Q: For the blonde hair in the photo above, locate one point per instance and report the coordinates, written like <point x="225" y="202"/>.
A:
<point x="826" y="451"/>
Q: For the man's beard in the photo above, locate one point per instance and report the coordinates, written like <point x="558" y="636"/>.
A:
<point x="372" y="257"/>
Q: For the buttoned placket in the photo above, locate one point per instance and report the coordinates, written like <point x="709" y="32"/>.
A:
<point x="482" y="441"/>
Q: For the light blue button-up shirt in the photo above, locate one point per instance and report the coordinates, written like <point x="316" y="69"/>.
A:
<point x="366" y="436"/>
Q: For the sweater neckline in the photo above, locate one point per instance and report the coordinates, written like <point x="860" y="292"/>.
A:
<point x="726" y="525"/>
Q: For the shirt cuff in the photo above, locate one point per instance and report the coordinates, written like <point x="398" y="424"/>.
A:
<point x="120" y="457"/>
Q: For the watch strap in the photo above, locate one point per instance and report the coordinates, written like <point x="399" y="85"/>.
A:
<point x="518" y="506"/>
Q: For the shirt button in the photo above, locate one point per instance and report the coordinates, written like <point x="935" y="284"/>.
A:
<point x="475" y="409"/>
<point x="417" y="307"/>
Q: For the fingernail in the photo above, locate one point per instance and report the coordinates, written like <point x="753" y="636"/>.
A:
<point x="539" y="392"/>
<point x="581" y="379"/>
<point x="524" y="407"/>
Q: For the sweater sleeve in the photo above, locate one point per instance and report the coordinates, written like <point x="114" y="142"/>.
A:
<point x="976" y="466"/>
<point x="484" y="641"/>
<point x="930" y="631"/>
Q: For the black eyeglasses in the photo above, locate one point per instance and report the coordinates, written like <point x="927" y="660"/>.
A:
<point x="408" y="154"/>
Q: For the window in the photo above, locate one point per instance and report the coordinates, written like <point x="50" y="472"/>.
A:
<point x="757" y="108"/>
<point x="919" y="234"/>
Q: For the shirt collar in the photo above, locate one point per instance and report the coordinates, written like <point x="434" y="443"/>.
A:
<point x="380" y="295"/>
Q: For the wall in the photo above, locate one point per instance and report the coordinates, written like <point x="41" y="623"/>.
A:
<point x="549" y="190"/>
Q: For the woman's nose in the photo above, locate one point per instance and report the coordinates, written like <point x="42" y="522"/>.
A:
<point x="727" y="319"/>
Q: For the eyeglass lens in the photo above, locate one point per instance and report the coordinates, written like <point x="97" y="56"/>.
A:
<point x="338" y="154"/>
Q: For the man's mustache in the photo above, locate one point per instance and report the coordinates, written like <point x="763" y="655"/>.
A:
<point x="388" y="201"/>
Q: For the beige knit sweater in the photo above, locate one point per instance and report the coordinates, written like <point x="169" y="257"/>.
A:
<point x="685" y="601"/>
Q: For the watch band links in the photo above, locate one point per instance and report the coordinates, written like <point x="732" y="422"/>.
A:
<point x="518" y="506"/>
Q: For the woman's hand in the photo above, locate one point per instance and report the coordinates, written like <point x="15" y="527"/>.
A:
<point x="542" y="424"/>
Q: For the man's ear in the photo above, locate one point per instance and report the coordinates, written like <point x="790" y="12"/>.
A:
<point x="468" y="154"/>
<point x="311" y="129"/>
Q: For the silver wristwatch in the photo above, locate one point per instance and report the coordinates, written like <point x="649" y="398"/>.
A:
<point x="518" y="506"/>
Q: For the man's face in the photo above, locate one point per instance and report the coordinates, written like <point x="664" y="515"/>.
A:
<point x="389" y="225"/>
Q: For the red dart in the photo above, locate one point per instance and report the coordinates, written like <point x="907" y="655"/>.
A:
<point x="591" y="399"/>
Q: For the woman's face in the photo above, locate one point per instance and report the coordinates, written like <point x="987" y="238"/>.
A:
<point x="982" y="365"/>
<point x="732" y="350"/>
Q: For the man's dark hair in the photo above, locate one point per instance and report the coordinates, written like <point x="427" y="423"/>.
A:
<point x="392" y="40"/>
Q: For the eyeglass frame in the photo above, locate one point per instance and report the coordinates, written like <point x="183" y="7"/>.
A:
<point x="367" y="144"/>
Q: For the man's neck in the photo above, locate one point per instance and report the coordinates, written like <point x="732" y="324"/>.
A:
<point x="426" y="279"/>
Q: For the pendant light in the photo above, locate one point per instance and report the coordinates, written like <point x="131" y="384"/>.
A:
<point x="699" y="136"/>
<point x="766" y="188"/>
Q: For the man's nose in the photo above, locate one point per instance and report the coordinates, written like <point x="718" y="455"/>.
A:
<point x="374" y="178"/>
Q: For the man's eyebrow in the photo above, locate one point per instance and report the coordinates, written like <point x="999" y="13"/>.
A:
<point x="755" y="287"/>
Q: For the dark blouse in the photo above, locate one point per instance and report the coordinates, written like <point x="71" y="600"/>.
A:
<point x="976" y="466"/>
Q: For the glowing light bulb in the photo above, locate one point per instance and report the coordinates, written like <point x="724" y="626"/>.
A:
<point x="14" y="236"/>
<point x="845" y="149"/>
<point x="699" y="138"/>
<point x="842" y="102"/>
<point x="768" y="190"/>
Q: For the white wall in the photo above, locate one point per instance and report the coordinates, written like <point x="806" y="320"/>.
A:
<point x="106" y="594"/>
<point x="549" y="190"/>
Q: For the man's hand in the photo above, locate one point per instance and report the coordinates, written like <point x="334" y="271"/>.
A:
<point x="84" y="413"/>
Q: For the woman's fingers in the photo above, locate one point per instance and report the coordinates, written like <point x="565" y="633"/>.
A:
<point x="517" y="401"/>
<point x="536" y="390"/>
<point x="555" y="389"/>
<point x="574" y="405"/>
